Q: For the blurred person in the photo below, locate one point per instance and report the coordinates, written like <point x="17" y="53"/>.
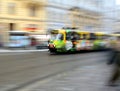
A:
<point x="115" y="59"/>
<point x="33" y="42"/>
<point x="111" y="45"/>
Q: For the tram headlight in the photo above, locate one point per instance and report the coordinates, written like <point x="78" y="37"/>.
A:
<point x="51" y="45"/>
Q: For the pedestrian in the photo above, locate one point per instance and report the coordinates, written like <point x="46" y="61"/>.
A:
<point x="33" y="42"/>
<point x="115" y="59"/>
<point x="111" y="45"/>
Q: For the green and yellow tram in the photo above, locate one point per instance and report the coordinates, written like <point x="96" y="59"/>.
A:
<point x="72" y="40"/>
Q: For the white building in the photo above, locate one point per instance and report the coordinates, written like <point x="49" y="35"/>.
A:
<point x="87" y="17"/>
<point x="109" y="15"/>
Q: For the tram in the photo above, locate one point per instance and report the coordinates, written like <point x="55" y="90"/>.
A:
<point x="73" y="40"/>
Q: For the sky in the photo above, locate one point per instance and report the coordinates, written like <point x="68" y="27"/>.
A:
<point x="118" y="2"/>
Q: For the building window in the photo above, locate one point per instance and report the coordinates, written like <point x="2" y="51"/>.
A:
<point x="11" y="8"/>
<point x="32" y="10"/>
<point x="11" y="26"/>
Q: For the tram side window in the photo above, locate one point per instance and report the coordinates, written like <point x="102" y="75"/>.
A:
<point x="75" y="36"/>
<point x="98" y="37"/>
<point x="101" y="37"/>
<point x="72" y="36"/>
<point x="59" y="37"/>
<point x="93" y="36"/>
<point x="84" y="36"/>
<point x="105" y="37"/>
<point x="68" y="36"/>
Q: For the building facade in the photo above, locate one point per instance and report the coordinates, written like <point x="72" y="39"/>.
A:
<point x="84" y="14"/>
<point x="25" y="15"/>
<point x="109" y="15"/>
<point x="40" y="16"/>
<point x="116" y="22"/>
<point x="22" y="15"/>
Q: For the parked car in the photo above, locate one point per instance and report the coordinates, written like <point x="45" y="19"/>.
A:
<point x="42" y="45"/>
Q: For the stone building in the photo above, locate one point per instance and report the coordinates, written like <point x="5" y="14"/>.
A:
<point x="39" y="16"/>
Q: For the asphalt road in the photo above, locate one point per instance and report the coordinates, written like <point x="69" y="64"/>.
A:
<point x="20" y="70"/>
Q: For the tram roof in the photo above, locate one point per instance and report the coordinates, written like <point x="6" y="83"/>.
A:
<point x="116" y="35"/>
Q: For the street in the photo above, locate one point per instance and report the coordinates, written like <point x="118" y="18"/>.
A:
<point x="20" y="70"/>
<point x="43" y="44"/>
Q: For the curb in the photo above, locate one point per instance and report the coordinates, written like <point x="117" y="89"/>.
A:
<point x="12" y="51"/>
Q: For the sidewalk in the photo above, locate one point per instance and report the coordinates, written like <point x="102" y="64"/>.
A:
<point x="5" y="50"/>
<point x="86" y="78"/>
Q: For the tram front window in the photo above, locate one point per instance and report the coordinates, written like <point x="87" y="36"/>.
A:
<point x="53" y="36"/>
<point x="59" y="37"/>
<point x="93" y="36"/>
